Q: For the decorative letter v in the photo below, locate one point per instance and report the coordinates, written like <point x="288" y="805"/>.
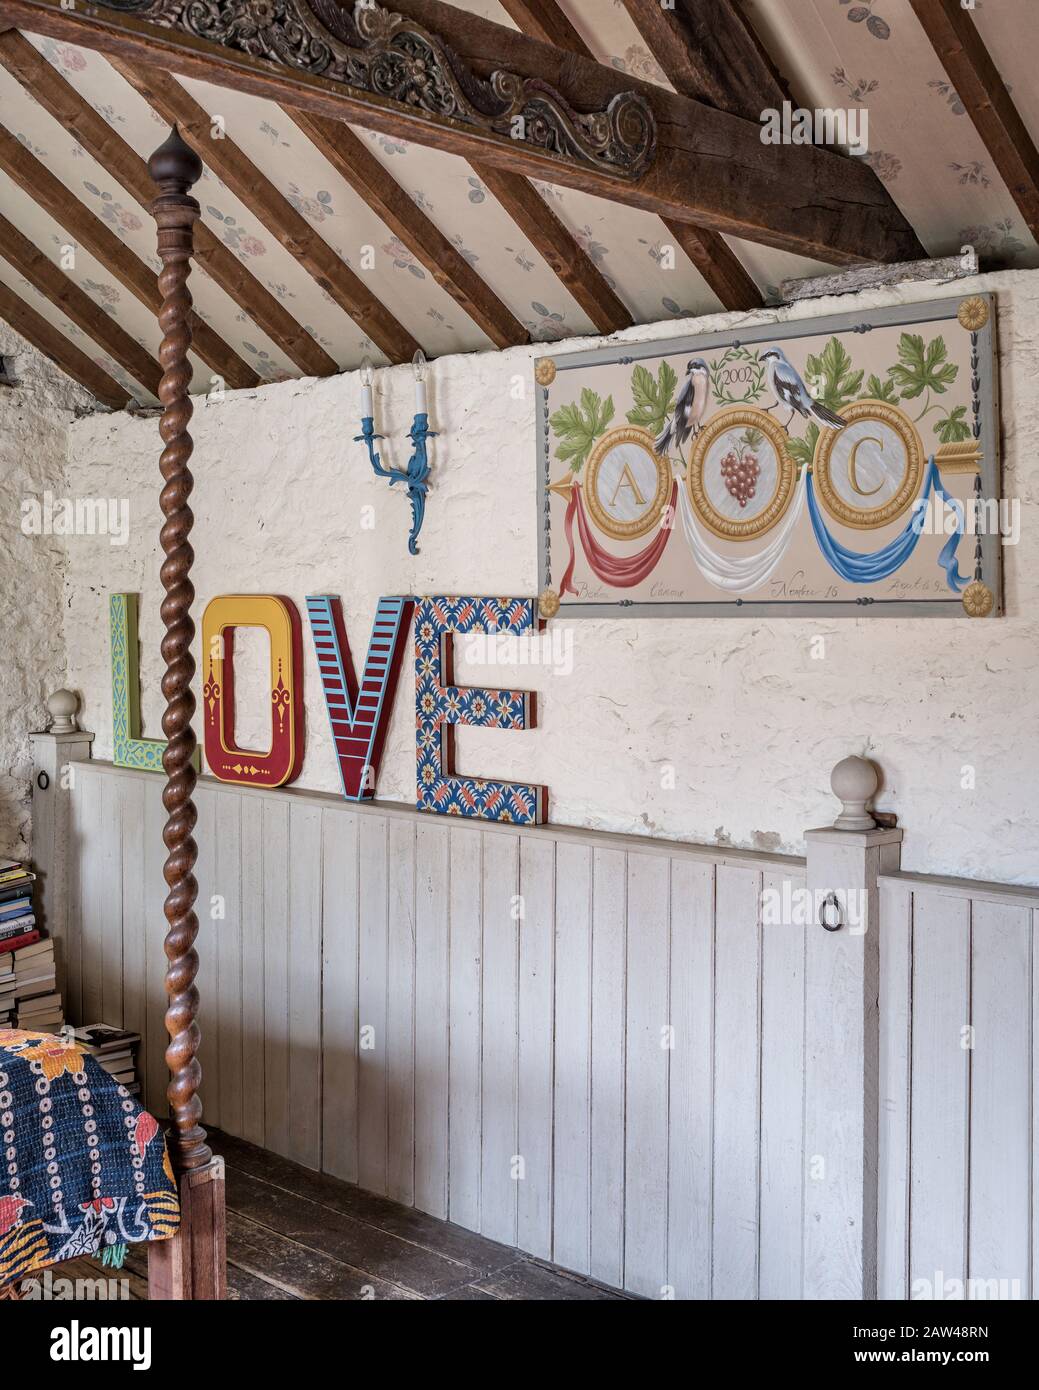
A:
<point x="359" y="718"/>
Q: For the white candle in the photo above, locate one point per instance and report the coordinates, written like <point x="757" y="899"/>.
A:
<point x="367" y="406"/>
<point x="419" y="364"/>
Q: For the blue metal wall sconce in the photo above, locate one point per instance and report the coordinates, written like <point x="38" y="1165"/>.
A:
<point x="415" y="475"/>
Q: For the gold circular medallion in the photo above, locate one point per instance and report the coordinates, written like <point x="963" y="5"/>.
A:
<point x="977" y="599"/>
<point x="740" y="477"/>
<point x="544" y="371"/>
<point x="973" y="314"/>
<point x="626" y="483"/>
<point x="548" y="603"/>
<point x="869" y="473"/>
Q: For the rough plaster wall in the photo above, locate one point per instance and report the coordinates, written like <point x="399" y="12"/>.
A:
<point x="750" y="722"/>
<point x="34" y="419"/>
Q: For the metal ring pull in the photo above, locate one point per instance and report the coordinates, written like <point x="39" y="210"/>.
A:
<point x="43" y="781"/>
<point x="831" y="901"/>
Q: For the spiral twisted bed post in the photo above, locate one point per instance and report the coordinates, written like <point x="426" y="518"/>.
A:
<point x="192" y="1265"/>
<point x="175" y="168"/>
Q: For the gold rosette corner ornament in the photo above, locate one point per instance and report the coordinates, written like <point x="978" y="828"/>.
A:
<point x="544" y="371"/>
<point x="973" y="314"/>
<point x="977" y="599"/>
<point x="548" y="603"/>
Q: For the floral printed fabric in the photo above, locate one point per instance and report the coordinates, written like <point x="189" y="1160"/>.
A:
<point x="85" y="1167"/>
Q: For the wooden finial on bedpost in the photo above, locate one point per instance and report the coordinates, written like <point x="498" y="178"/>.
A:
<point x="192" y="1264"/>
<point x="174" y="168"/>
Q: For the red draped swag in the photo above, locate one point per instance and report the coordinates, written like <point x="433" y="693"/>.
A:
<point x="620" y="571"/>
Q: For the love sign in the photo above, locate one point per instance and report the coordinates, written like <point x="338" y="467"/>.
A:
<point x="358" y="711"/>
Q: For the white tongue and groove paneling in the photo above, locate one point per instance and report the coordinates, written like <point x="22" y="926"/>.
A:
<point x="584" y="1044"/>
<point x="958" y="1184"/>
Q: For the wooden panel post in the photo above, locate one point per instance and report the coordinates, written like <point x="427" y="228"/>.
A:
<point x="63" y="743"/>
<point x="842" y="1041"/>
<point x="191" y="1266"/>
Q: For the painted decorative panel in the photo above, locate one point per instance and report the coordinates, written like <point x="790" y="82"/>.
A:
<point x="842" y="465"/>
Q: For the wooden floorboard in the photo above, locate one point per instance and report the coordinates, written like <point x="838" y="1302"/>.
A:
<point x="296" y="1234"/>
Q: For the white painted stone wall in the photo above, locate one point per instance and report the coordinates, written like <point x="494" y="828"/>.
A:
<point x="34" y="420"/>
<point x="749" y="721"/>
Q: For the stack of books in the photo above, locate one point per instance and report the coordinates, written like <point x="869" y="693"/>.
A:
<point x="17" y="918"/>
<point x="115" y="1049"/>
<point x="35" y="981"/>
<point x="7" y="983"/>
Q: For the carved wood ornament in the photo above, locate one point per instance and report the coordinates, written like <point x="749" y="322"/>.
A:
<point x="392" y="57"/>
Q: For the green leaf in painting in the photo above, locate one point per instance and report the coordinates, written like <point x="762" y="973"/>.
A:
<point x="654" y="397"/>
<point x="954" y="428"/>
<point x="830" y="378"/>
<point x="878" y="390"/>
<point x="802" y="451"/>
<point x="921" y="368"/>
<point x="578" y="426"/>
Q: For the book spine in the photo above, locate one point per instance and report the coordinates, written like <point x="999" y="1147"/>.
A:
<point x="16" y="943"/>
<point x="18" y="927"/>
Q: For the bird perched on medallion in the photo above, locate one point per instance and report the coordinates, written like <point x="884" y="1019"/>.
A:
<point x="786" y="385"/>
<point x="689" y="407"/>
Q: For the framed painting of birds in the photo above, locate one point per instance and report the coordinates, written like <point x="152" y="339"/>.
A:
<point x="842" y="464"/>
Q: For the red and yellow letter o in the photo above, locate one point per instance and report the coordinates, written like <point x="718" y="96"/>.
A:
<point x="280" y="618"/>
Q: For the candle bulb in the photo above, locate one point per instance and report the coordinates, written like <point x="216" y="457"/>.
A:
<point x="419" y="363"/>
<point x="367" y="404"/>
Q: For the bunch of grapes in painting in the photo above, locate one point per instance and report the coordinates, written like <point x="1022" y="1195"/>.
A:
<point x="740" y="467"/>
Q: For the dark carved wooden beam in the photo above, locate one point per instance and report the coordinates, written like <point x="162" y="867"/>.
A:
<point x="557" y="246"/>
<point x="955" y="39"/>
<point x="77" y="306"/>
<point x="100" y="140"/>
<point x="353" y="161"/>
<point x="712" y="255"/>
<point x="198" y="1246"/>
<point x="252" y="187"/>
<point x="708" y="51"/>
<point x="94" y="236"/>
<point x="64" y="353"/>
<point x="582" y="125"/>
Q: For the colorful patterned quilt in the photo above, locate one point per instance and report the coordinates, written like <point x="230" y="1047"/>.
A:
<point x="85" y="1167"/>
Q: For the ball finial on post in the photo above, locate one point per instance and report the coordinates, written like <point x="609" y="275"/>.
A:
<point x="62" y="707"/>
<point x="854" y="782"/>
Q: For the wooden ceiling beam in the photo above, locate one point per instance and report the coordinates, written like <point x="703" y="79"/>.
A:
<point x="64" y="353"/>
<point x="558" y="247"/>
<point x="254" y="189"/>
<point x="36" y="180"/>
<point x="46" y="85"/>
<point x="354" y="162"/>
<point x="709" y="252"/>
<point x="549" y="235"/>
<point x="955" y="39"/>
<point x="77" y="306"/>
<point x="546" y="21"/>
<point x="710" y="168"/>
<point x="709" y="52"/>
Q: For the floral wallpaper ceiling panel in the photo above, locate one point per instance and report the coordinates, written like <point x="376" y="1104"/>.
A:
<point x="28" y="292"/>
<point x="106" y="198"/>
<point x="451" y="194"/>
<point x="852" y="53"/>
<point x="922" y="143"/>
<point x="303" y="176"/>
